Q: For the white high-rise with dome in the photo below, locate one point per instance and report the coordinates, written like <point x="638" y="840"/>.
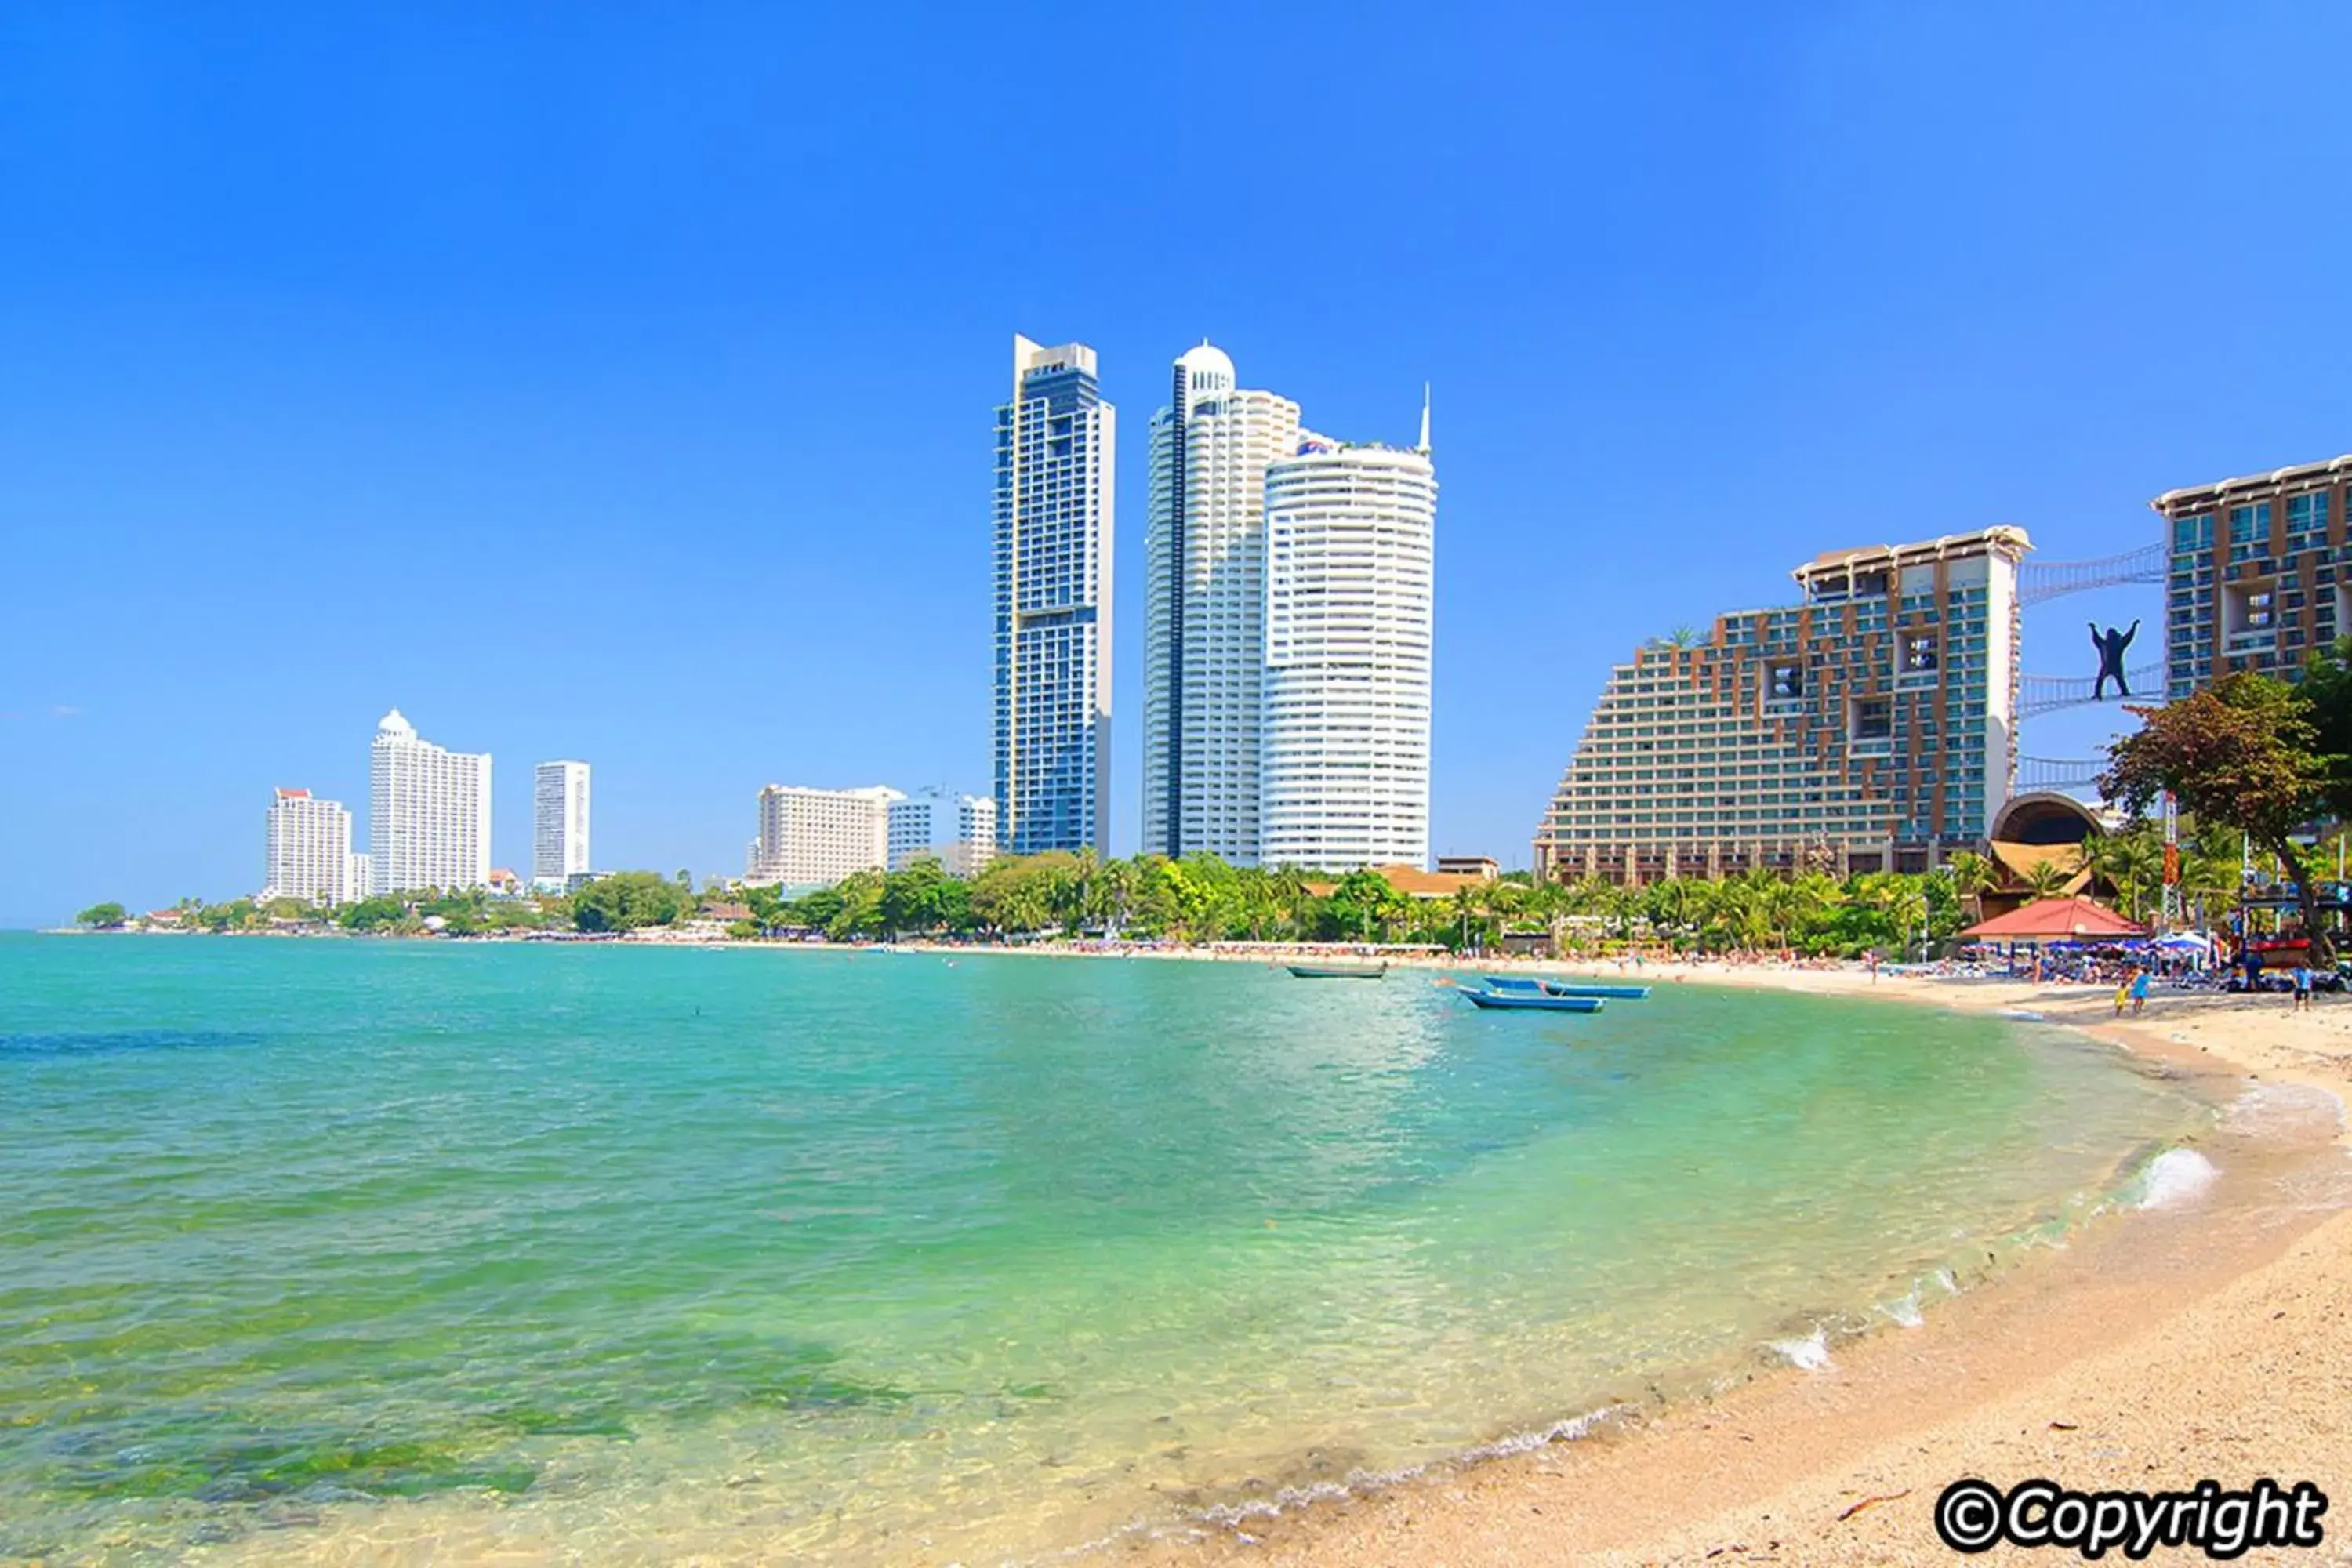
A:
<point x="1288" y="616"/>
<point x="1205" y="608"/>
<point x="428" y="813"/>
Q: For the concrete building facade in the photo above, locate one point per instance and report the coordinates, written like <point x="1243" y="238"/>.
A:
<point x="2261" y="573"/>
<point x="957" y="830"/>
<point x="310" y="853"/>
<point x="1204" y="635"/>
<point x="1350" y="552"/>
<point x="1870" y="726"/>
<point x="815" y="838"/>
<point x="428" y="813"/>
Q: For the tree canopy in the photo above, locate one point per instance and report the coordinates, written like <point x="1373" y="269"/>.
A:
<point x="2243" y="754"/>
<point x="102" y="917"/>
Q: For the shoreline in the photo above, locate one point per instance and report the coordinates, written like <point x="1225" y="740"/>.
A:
<point x="2157" y="1348"/>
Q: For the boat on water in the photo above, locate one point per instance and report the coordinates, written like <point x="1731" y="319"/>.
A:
<point x="1338" y="970"/>
<point x="1535" y="1001"/>
<point x="1515" y="985"/>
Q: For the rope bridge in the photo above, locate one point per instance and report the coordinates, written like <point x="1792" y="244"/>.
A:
<point x="2042" y="580"/>
<point x="2049" y="693"/>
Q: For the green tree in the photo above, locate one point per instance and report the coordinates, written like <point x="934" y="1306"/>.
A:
<point x="630" y="900"/>
<point x="2048" y="878"/>
<point x="2242" y="753"/>
<point x="102" y="917"/>
<point x="1972" y="877"/>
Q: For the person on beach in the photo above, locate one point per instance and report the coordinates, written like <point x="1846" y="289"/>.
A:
<point x="2139" y="990"/>
<point x="2123" y="994"/>
<point x="2302" y="984"/>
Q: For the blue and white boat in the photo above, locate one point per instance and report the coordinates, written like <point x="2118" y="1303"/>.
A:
<point x="1512" y="998"/>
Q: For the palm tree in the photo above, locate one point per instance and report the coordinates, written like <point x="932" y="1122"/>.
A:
<point x="2132" y="861"/>
<point x="2047" y="879"/>
<point x="1973" y="877"/>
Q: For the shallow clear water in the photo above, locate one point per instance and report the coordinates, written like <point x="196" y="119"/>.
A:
<point x="881" y="1257"/>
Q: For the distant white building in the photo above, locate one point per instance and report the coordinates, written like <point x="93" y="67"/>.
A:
<point x="815" y="838"/>
<point x="428" y="813"/>
<point x="959" y="830"/>
<point x="559" y="803"/>
<point x="309" y="850"/>
<point x="361" y="878"/>
<point x="1344" y="756"/>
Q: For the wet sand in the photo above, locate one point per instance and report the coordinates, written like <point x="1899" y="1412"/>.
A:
<point x="2212" y="1338"/>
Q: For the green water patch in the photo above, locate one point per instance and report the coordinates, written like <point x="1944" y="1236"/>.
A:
<point x="227" y="1456"/>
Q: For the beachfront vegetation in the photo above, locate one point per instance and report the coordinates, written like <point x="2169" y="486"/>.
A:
<point x="102" y="917"/>
<point x="2243" y="754"/>
<point x="631" y="900"/>
<point x="1201" y="898"/>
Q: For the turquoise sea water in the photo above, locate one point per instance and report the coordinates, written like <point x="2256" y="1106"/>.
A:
<point x="643" y="1252"/>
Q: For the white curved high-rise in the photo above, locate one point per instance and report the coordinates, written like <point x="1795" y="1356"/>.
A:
<point x="1350" y="546"/>
<point x="1204" y="546"/>
<point x="428" y="813"/>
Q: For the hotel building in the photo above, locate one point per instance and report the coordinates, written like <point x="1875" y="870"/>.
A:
<point x="1053" y="508"/>
<point x="310" y="851"/>
<point x="957" y="830"/>
<point x="428" y="813"/>
<point x="1867" y="727"/>
<point x="559" y="822"/>
<point x="1204" y="621"/>
<point x="1350" y="540"/>
<point x="815" y="837"/>
<point x="2260" y="575"/>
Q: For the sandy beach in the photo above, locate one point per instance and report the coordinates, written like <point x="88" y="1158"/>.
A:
<point x="2205" y="1338"/>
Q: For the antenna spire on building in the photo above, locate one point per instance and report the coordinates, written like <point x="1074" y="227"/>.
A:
<point x="1424" y="447"/>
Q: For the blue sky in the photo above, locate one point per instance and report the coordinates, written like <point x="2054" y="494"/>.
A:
<point x="593" y="382"/>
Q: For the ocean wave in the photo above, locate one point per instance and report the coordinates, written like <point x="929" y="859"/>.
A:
<point x="2174" y="1177"/>
<point x="1811" y="1354"/>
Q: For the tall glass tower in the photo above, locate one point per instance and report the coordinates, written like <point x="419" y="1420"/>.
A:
<point x="1053" y="472"/>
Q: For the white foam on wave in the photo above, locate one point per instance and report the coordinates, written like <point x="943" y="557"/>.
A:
<point x="2174" y="1177"/>
<point x="1232" y="1515"/>
<point x="1811" y="1354"/>
<point x="1905" y="1311"/>
<point x="2280" y="1108"/>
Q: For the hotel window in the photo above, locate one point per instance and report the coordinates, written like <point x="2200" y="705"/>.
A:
<point x="1788" y="682"/>
<point x="2250" y="530"/>
<point x="1873" y="720"/>
<point x="2306" y="520"/>
<point x="1919" y="655"/>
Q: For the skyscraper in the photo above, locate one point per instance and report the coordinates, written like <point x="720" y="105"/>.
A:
<point x="1204" y="621"/>
<point x="559" y="821"/>
<point x="1350" y="545"/>
<point x="1053" y="471"/>
<point x="428" y="813"/>
<point x="309" y="850"/>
